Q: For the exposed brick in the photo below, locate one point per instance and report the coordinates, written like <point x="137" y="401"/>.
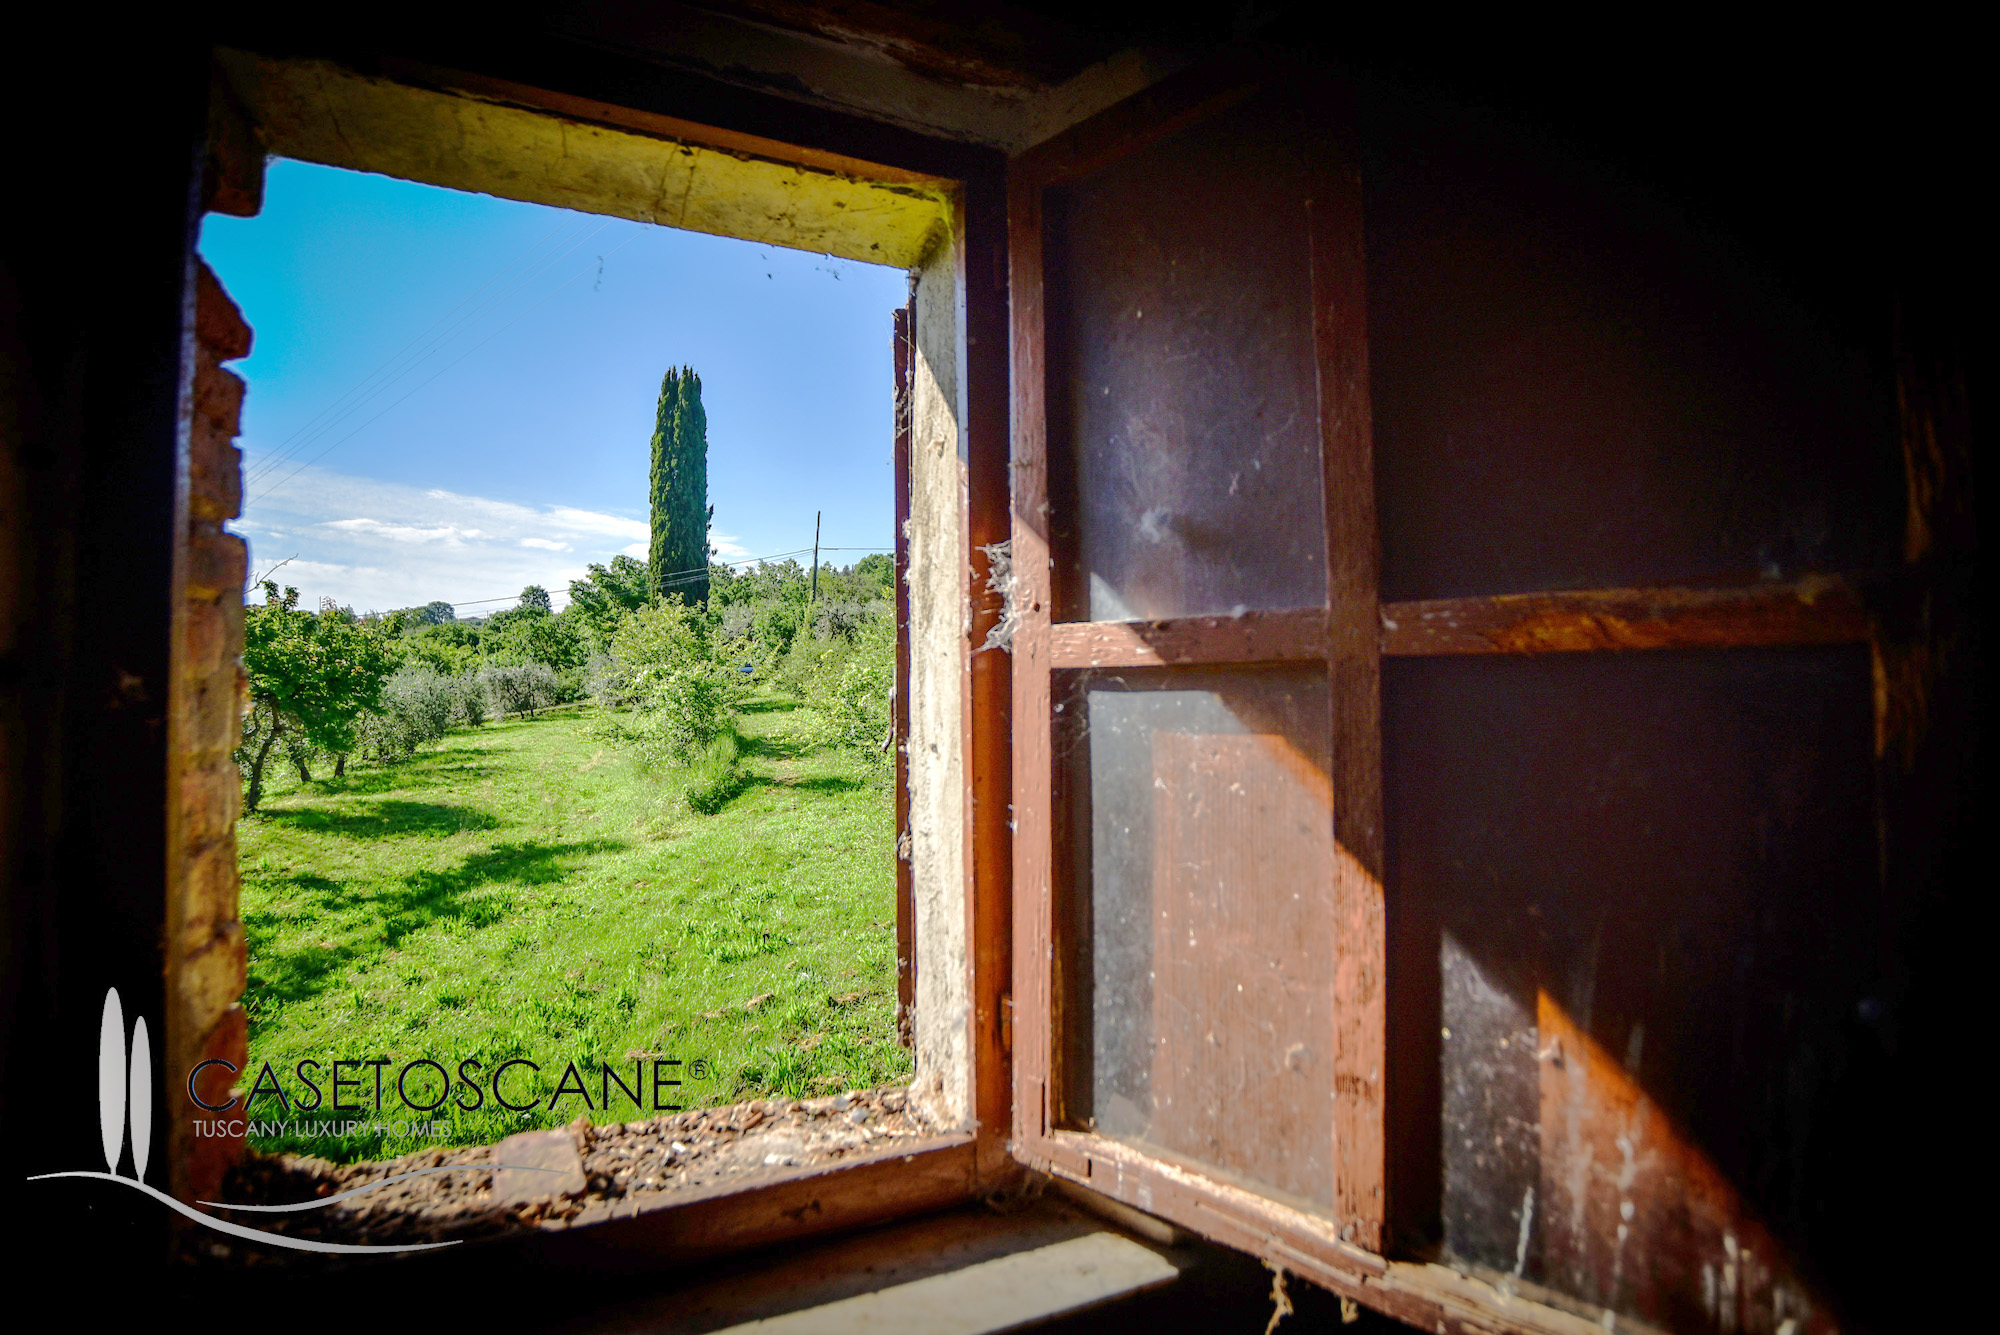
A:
<point x="218" y="324"/>
<point x="206" y="946"/>
<point x="212" y="978"/>
<point x="234" y="180"/>
<point x="217" y="562"/>
<point x="218" y="396"/>
<point x="215" y="478"/>
<point x="211" y="893"/>
<point x="214" y="640"/>
<point x="202" y="1161"/>
<point x="211" y="727"/>
<point x="210" y="800"/>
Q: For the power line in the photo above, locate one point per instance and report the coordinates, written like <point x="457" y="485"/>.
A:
<point x="689" y="575"/>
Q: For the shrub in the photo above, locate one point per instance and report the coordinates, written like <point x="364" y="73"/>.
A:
<point x="418" y="705"/>
<point x="471" y="708"/>
<point x="841" y="620"/>
<point x="717" y="774"/>
<point x="809" y="663"/>
<point x="663" y="666"/>
<point x="856" y="701"/>
<point x="520" y="688"/>
<point x="775" y="625"/>
<point x="739" y="623"/>
<point x="572" y="684"/>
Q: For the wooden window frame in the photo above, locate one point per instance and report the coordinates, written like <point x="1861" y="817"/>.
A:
<point x="972" y="1159"/>
<point x="1349" y="1249"/>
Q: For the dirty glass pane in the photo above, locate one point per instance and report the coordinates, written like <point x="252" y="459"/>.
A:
<point x="1183" y="431"/>
<point x="1201" y="919"/>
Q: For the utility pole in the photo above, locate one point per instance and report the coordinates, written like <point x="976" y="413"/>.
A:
<point x="815" y="588"/>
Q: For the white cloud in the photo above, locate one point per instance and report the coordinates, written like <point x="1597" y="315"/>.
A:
<point x="449" y="534"/>
<point x="727" y="547"/>
<point x="376" y="545"/>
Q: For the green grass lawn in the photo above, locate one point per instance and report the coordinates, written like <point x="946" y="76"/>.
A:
<point x="526" y="889"/>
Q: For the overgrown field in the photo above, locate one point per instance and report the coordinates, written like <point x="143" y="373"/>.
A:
<point x="529" y="890"/>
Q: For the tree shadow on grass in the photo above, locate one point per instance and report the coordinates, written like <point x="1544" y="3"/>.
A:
<point x="767" y="705"/>
<point x="427" y="769"/>
<point x="826" y="783"/>
<point x="773" y="747"/>
<point x="386" y="819"/>
<point x="373" y="920"/>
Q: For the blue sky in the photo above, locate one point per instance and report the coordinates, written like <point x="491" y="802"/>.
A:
<point x="450" y="396"/>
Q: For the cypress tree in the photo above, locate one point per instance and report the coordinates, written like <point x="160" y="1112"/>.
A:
<point x="679" y="550"/>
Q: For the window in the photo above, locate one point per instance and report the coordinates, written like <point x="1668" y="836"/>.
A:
<point x="1349" y="1014"/>
<point x="1331" y="527"/>
<point x="438" y="128"/>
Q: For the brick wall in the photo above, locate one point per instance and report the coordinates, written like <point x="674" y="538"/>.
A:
<point x="205" y="943"/>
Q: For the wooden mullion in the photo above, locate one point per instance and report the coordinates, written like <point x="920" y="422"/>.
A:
<point x="1253" y="637"/>
<point x="1817" y="609"/>
<point x="1354" y="679"/>
<point x="1034" y="1004"/>
<point x="982" y="259"/>
<point x="1430" y="1297"/>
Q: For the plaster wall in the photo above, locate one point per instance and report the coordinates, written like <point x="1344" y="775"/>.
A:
<point x="940" y="624"/>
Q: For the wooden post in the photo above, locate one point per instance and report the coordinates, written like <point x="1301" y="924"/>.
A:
<point x="813" y="597"/>
<point x="906" y="890"/>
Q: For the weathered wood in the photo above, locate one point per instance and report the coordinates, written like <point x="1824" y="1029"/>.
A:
<point x="1244" y="991"/>
<point x="1354" y="677"/>
<point x="1253" y="637"/>
<point x="1637" y="1215"/>
<point x="1036" y="1028"/>
<point x="1026" y="51"/>
<point x="1119" y="131"/>
<point x="625" y="166"/>
<point x="903" y="354"/>
<point x="593" y="111"/>
<point x="1817" y="609"/>
<point x="1431" y="1297"/>
<point x="989" y="672"/>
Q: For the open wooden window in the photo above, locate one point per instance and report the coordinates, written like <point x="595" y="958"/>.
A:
<point x="1457" y="1034"/>
<point x="1198" y="845"/>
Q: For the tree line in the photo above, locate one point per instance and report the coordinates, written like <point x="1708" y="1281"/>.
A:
<point x="331" y="686"/>
<point x="665" y="646"/>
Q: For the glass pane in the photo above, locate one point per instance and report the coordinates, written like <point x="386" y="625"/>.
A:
<point x="1201" y="919"/>
<point x="1184" y="437"/>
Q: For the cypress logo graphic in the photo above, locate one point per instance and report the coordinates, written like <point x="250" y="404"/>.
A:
<point x="125" y="1102"/>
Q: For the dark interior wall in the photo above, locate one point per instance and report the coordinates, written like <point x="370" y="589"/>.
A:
<point x="95" y="282"/>
<point x="1579" y="385"/>
<point x="1594" y="365"/>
